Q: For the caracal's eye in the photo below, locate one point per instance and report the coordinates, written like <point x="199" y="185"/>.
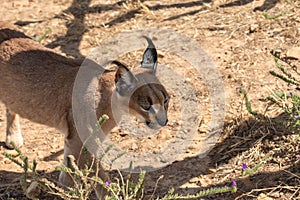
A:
<point x="146" y="104"/>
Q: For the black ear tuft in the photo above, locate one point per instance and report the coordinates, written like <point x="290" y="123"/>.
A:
<point x="150" y="56"/>
<point x="125" y="81"/>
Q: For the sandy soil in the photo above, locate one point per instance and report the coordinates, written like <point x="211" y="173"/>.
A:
<point x="237" y="37"/>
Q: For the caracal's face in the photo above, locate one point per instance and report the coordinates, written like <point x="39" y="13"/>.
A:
<point x="151" y="103"/>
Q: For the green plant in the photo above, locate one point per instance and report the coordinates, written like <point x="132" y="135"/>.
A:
<point x="274" y="16"/>
<point x="248" y="105"/>
<point x="85" y="181"/>
<point x="210" y="191"/>
<point x="126" y="189"/>
<point x="250" y="171"/>
<point x="40" y="39"/>
<point x="288" y="101"/>
<point x="22" y="161"/>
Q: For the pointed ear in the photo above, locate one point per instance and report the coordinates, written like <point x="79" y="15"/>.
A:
<point x="125" y="81"/>
<point x="150" y="56"/>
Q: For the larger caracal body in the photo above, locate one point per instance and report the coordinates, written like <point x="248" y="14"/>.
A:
<point x="36" y="83"/>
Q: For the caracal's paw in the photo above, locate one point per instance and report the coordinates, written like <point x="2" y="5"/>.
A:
<point x="15" y="138"/>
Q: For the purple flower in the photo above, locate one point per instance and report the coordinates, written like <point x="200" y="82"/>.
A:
<point x="35" y="35"/>
<point x="239" y="89"/>
<point x="233" y="183"/>
<point x="244" y="166"/>
<point x="291" y="93"/>
<point x="296" y="117"/>
<point x="107" y="183"/>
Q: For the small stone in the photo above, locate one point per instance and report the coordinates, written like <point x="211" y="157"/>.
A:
<point x="263" y="196"/>
<point x="187" y="80"/>
<point x="156" y="151"/>
<point x="163" y="134"/>
<point x="124" y="133"/>
<point x="33" y="190"/>
<point x="275" y="195"/>
<point x="7" y="161"/>
<point x="13" y="153"/>
<point x="253" y="28"/>
<point x="134" y="146"/>
<point x="194" y="180"/>
<point x="293" y="52"/>
<point x="160" y="54"/>
<point x="192" y="147"/>
<point x="211" y="170"/>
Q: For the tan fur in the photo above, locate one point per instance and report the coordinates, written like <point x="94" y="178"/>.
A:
<point x="37" y="84"/>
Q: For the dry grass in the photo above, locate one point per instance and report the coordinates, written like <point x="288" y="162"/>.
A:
<point x="239" y="41"/>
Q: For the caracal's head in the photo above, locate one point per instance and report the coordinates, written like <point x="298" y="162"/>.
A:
<point x="146" y="97"/>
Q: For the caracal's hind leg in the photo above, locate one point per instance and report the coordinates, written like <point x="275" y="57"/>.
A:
<point x="13" y="129"/>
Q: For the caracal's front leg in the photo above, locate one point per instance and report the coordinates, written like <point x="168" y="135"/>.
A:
<point x="13" y="129"/>
<point x="73" y="146"/>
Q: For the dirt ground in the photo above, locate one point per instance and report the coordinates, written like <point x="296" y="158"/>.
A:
<point x="238" y="38"/>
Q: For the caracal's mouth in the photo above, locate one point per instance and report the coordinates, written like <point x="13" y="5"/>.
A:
<point x="151" y="125"/>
